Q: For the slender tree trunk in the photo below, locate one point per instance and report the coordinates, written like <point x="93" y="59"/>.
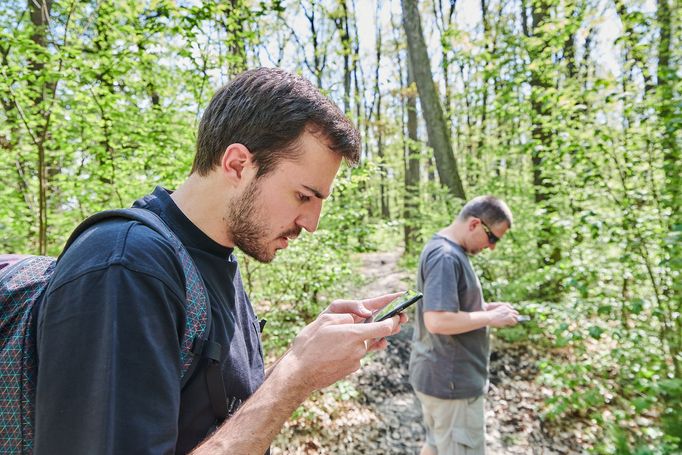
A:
<point x="411" y="207"/>
<point x="355" y="90"/>
<point x="443" y="25"/>
<point x="573" y="84"/>
<point x="473" y="169"/>
<point x="319" y="60"/>
<point x="40" y="15"/>
<point x="632" y="38"/>
<point x="8" y="144"/>
<point x="315" y="64"/>
<point x="342" y="27"/>
<point x="356" y="66"/>
<point x="491" y="49"/>
<point x="438" y="131"/>
<point x="540" y="132"/>
<point x="431" y="174"/>
<point x="104" y="90"/>
<point x="236" y="16"/>
<point x="383" y="191"/>
<point x="672" y="167"/>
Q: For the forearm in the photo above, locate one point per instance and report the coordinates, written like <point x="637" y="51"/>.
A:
<point x="252" y="429"/>
<point x="450" y="323"/>
<point x="487" y="306"/>
<point x="272" y="367"/>
<point x="325" y="351"/>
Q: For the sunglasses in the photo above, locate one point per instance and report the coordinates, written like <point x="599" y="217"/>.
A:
<point x="492" y="238"/>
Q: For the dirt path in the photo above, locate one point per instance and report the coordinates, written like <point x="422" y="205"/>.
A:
<point x="380" y="414"/>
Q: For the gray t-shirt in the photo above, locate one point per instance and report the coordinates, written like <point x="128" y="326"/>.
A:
<point x="448" y="366"/>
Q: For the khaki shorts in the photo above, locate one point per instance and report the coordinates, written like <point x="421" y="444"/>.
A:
<point x="454" y="427"/>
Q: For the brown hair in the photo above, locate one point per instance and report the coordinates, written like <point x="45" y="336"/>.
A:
<point x="266" y="110"/>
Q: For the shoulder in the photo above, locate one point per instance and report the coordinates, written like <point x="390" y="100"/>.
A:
<point x="438" y="250"/>
<point x="127" y="243"/>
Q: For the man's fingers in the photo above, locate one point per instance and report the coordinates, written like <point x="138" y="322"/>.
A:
<point x="377" y="303"/>
<point x="349" y="306"/>
<point x="377" y="345"/>
<point x="336" y="318"/>
<point x="381" y="329"/>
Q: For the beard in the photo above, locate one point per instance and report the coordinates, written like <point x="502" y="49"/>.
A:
<point x="249" y="228"/>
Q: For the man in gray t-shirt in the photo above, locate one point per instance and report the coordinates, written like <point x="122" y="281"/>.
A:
<point x="450" y="353"/>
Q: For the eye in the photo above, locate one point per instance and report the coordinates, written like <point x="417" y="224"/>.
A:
<point x="303" y="198"/>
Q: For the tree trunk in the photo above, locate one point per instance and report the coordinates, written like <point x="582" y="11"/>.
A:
<point x="632" y="38"/>
<point x="490" y="46"/>
<point x="672" y="168"/>
<point x="438" y="131"/>
<point x="443" y="25"/>
<point x="541" y="134"/>
<point x="411" y="207"/>
<point x="342" y="27"/>
<point x="383" y="192"/>
<point x="236" y="15"/>
<point x="318" y="58"/>
<point x="40" y="14"/>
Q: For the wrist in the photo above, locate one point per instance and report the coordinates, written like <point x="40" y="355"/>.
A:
<point x="290" y="380"/>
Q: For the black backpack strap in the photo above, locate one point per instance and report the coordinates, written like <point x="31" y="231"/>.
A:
<point x="195" y="343"/>
<point x="214" y="375"/>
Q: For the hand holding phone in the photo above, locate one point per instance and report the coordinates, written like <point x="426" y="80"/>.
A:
<point x="396" y="306"/>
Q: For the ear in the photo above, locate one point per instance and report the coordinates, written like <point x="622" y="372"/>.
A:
<point x="236" y="159"/>
<point x="473" y="223"/>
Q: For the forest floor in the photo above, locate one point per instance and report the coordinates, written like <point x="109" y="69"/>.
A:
<point x="376" y="412"/>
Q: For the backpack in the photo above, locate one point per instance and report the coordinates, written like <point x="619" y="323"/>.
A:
<point x="23" y="280"/>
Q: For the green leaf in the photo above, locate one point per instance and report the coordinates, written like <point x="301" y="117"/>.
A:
<point x="595" y="332"/>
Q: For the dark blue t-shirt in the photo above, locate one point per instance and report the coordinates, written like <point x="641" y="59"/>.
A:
<point x="108" y="340"/>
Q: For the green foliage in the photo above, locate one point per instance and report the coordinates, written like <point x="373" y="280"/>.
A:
<point x="302" y="280"/>
<point x="670" y="390"/>
<point x="114" y="107"/>
<point x="347" y="215"/>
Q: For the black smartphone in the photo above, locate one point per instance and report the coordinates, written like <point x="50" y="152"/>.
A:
<point x="396" y="306"/>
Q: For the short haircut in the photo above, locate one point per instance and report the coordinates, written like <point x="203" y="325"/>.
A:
<point x="267" y="110"/>
<point x="489" y="209"/>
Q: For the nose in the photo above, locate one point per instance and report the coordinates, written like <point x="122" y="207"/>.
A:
<point x="492" y="246"/>
<point x="310" y="218"/>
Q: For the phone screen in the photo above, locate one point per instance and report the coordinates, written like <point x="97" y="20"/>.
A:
<point x="398" y="305"/>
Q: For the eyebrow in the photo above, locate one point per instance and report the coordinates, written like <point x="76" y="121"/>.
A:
<point x="315" y="192"/>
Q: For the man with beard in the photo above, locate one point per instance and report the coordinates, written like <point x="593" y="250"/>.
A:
<point x="268" y="149"/>
<point x="450" y="351"/>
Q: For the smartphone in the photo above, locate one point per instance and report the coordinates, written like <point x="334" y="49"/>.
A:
<point x="522" y="318"/>
<point x="396" y="306"/>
